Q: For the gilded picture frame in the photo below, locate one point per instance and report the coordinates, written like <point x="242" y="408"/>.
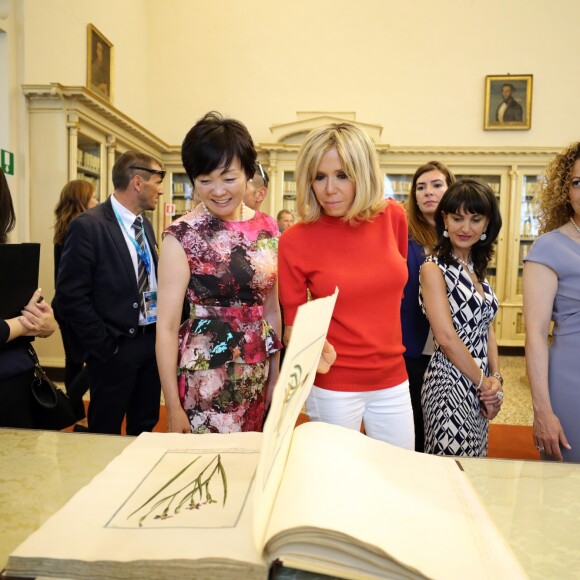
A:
<point x="508" y="102"/>
<point x="99" y="64"/>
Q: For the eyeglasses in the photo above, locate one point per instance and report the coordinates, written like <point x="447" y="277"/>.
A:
<point x="159" y="172"/>
<point x="263" y="173"/>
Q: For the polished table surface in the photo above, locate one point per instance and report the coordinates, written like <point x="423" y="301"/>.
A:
<point x="535" y="505"/>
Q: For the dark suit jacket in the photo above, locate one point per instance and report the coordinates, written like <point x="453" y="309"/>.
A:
<point x="512" y="113"/>
<point x="96" y="290"/>
<point x="414" y="323"/>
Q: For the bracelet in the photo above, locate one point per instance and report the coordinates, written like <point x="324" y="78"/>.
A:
<point x="498" y="377"/>
<point x="480" y="381"/>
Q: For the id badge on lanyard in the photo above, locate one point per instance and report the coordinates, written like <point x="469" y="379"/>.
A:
<point x="150" y="306"/>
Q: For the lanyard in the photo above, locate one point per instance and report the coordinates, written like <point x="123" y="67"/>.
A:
<point x="143" y="255"/>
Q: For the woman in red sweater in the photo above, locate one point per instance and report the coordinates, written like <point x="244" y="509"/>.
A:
<point x="351" y="237"/>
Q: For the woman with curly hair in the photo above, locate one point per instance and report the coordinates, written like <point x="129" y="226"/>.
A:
<point x="430" y="182"/>
<point x="76" y="196"/>
<point x="551" y="282"/>
<point x="462" y="386"/>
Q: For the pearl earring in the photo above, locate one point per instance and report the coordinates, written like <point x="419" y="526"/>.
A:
<point x="445" y="234"/>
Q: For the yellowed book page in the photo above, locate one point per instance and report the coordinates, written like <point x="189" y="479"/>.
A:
<point x="419" y="509"/>
<point x="167" y="497"/>
<point x="293" y="386"/>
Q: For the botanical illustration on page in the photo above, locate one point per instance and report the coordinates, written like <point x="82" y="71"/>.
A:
<point x="190" y="489"/>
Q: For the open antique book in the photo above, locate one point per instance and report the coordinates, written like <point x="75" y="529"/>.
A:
<point x="318" y="498"/>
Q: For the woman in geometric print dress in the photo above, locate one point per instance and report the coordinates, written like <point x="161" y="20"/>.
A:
<point x="462" y="389"/>
<point x="218" y="368"/>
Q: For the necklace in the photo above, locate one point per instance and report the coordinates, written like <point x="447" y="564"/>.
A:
<point x="242" y="216"/>
<point x="468" y="265"/>
<point x="575" y="224"/>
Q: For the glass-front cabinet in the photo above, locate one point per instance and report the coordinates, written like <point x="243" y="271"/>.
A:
<point x="496" y="266"/>
<point x="182" y="194"/>
<point x="289" y="192"/>
<point x="72" y="134"/>
<point x="97" y="133"/>
<point x="528" y="221"/>
<point x="516" y="188"/>
<point x="89" y="161"/>
<point x="398" y="186"/>
<point x="513" y="175"/>
<point x="523" y="230"/>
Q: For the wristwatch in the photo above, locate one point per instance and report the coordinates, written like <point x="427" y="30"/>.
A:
<point x="498" y="377"/>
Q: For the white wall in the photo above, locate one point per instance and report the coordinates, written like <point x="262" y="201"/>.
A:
<point x="55" y="46"/>
<point x="13" y="118"/>
<point x="415" y="67"/>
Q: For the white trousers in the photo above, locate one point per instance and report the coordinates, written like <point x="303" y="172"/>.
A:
<point x="387" y="413"/>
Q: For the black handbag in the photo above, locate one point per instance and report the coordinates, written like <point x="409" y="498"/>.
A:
<point x="51" y="408"/>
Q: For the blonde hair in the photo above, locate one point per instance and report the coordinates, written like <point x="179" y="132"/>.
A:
<point x="359" y="161"/>
<point x="420" y="229"/>
<point x="554" y="196"/>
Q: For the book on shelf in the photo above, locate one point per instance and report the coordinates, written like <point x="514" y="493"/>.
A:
<point x="88" y="160"/>
<point x="317" y="498"/>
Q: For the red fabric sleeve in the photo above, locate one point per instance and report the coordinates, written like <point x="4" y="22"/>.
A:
<point x="400" y="226"/>
<point x="292" y="282"/>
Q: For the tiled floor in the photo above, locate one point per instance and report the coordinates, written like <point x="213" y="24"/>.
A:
<point x="517" y="406"/>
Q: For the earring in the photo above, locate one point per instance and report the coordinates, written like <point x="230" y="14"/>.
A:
<point x="483" y="237"/>
<point x="445" y="234"/>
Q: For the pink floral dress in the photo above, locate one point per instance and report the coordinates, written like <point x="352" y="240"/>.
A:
<point x="225" y="345"/>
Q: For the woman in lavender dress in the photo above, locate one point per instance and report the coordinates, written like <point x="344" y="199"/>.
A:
<point x="552" y="292"/>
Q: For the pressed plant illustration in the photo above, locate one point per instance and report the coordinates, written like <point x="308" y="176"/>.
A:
<point x="193" y="493"/>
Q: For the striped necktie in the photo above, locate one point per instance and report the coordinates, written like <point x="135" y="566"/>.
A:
<point x="142" y="278"/>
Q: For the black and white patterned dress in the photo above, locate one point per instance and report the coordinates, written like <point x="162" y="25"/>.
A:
<point x="453" y="421"/>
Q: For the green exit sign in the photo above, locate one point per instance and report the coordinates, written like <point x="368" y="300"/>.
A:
<point x="7" y="161"/>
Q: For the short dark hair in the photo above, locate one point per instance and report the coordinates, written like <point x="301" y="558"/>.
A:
<point x="7" y="215"/>
<point x="513" y="89"/>
<point x="123" y="172"/>
<point x="213" y="142"/>
<point x="471" y="196"/>
<point x="283" y="212"/>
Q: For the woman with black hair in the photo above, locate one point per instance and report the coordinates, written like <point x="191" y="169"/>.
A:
<point x="462" y="389"/>
<point x="218" y="368"/>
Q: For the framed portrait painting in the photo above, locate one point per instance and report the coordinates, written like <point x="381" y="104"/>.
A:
<point x="508" y="102"/>
<point x="99" y="64"/>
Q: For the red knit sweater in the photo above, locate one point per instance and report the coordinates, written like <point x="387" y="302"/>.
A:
<point x="368" y="264"/>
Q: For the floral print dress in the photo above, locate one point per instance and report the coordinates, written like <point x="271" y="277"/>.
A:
<point x="225" y="345"/>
